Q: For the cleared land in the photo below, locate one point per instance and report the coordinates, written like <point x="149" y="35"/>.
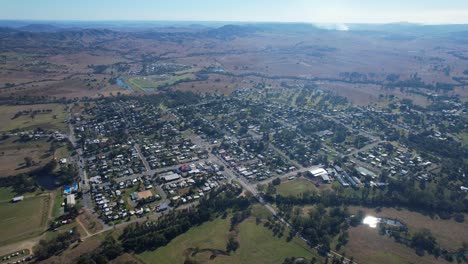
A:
<point x="90" y="222"/>
<point x="24" y="219"/>
<point x="448" y="233"/>
<point x="13" y="152"/>
<point x="257" y="245"/>
<point x="295" y="187"/>
<point x="73" y="253"/>
<point x="48" y="116"/>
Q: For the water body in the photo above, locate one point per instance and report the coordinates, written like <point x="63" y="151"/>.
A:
<point x="150" y="89"/>
<point x="47" y="182"/>
<point x="122" y="84"/>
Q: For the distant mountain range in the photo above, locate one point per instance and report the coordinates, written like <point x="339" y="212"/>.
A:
<point x="81" y="32"/>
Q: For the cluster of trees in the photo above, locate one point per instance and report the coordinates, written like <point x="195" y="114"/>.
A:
<point x="442" y="148"/>
<point x="422" y="241"/>
<point x="403" y="193"/>
<point x="319" y="226"/>
<point x="108" y="250"/>
<point x="31" y="112"/>
<point x="47" y="248"/>
<point x="21" y="183"/>
<point x="416" y="82"/>
<point x="277" y="228"/>
<point x="294" y="260"/>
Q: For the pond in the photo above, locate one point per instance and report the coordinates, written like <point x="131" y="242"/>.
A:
<point x="122" y="84"/>
<point x="47" y="182"/>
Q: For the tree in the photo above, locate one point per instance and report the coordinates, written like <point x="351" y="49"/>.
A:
<point x="276" y="181"/>
<point x="232" y="245"/>
<point x="28" y="161"/>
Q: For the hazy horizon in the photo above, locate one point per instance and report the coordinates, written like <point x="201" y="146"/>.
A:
<point x="299" y="11"/>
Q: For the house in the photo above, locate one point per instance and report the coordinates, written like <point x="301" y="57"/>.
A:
<point x="71" y="200"/>
<point x="17" y="199"/>
<point x="161" y="207"/>
<point x="170" y="176"/>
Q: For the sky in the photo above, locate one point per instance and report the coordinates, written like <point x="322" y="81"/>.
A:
<point x="318" y="11"/>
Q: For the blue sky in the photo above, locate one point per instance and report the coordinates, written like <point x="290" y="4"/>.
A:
<point x="328" y="11"/>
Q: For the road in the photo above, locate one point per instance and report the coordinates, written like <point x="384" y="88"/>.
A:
<point x="143" y="159"/>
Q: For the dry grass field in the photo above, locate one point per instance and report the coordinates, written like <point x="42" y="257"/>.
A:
<point x="368" y="247"/>
<point x="13" y="152"/>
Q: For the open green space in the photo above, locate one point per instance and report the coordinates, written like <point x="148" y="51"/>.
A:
<point x="6" y="194"/>
<point x="22" y="220"/>
<point x="57" y="208"/>
<point x="48" y="116"/>
<point x="208" y="235"/>
<point x="257" y="245"/>
<point x="295" y="187"/>
<point x="156" y="81"/>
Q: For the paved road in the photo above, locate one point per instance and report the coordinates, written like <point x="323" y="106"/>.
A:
<point x="143" y="159"/>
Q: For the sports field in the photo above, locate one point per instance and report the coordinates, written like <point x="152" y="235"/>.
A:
<point x="22" y="220"/>
<point x="155" y="81"/>
<point x="295" y="187"/>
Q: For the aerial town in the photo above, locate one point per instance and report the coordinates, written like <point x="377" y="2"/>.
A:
<point x="232" y="142"/>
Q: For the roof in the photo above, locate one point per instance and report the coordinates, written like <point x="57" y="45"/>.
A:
<point x="71" y="199"/>
<point x="318" y="172"/>
<point x="171" y="177"/>
<point x="325" y="177"/>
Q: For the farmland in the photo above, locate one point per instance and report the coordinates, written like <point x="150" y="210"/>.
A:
<point x="29" y="117"/>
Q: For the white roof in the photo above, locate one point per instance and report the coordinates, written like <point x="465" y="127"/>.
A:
<point x="318" y="172"/>
<point x="71" y="199"/>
